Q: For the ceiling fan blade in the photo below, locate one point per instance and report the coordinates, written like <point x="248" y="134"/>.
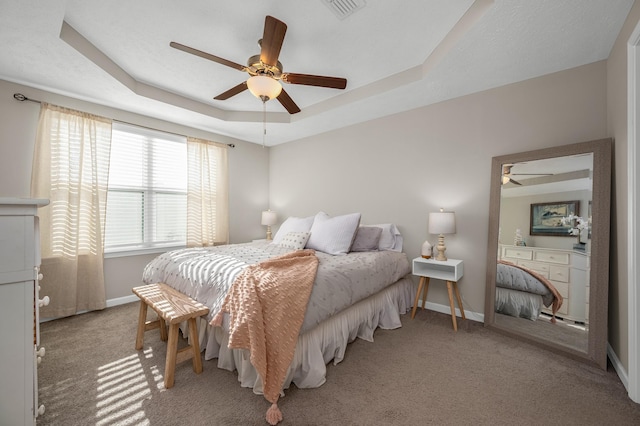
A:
<point x="315" y="80"/>
<point x="532" y="174"/>
<point x="288" y="103"/>
<point x="232" y="92"/>
<point x="206" y="55"/>
<point x="272" y="40"/>
<point x="515" y="182"/>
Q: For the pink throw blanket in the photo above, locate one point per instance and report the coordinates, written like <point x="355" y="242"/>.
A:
<point x="267" y="303"/>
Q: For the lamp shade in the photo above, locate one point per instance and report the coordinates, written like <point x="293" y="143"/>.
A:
<point x="269" y="217"/>
<point x="263" y="87"/>
<point x="442" y="222"/>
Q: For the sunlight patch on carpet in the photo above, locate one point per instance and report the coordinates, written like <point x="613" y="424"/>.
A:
<point x="122" y="387"/>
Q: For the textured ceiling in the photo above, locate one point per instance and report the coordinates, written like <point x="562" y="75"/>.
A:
<point x="396" y="55"/>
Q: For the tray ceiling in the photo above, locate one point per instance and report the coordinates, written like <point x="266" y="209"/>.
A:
<point x="396" y="56"/>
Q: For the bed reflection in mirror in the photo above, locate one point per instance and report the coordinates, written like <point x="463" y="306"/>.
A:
<point x="547" y="228"/>
<point x="542" y="270"/>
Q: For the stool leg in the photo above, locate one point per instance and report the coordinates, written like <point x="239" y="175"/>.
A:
<point x="195" y="345"/>
<point x="163" y="329"/>
<point x="142" y="320"/>
<point x="172" y="352"/>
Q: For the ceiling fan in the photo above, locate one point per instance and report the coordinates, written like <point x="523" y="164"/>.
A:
<point x="506" y="174"/>
<point x="265" y="71"/>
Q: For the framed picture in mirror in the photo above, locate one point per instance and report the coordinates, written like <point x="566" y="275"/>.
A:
<point x="546" y="218"/>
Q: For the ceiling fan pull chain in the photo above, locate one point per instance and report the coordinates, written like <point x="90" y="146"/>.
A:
<point x="264" y="121"/>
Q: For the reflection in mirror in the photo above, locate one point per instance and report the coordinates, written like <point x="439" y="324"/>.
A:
<point x="549" y="218"/>
<point x="541" y="278"/>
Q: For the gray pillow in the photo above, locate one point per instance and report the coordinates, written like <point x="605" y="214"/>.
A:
<point x="367" y="238"/>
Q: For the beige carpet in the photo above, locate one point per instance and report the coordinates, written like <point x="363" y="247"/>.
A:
<point x="423" y="373"/>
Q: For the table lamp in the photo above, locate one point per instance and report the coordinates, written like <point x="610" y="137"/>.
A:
<point x="442" y="223"/>
<point x="269" y="218"/>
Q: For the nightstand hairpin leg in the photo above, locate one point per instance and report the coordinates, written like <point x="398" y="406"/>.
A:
<point x="452" y="286"/>
<point x="424" y="285"/>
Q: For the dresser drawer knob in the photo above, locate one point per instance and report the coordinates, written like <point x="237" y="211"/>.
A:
<point x="44" y="301"/>
<point x="41" y="410"/>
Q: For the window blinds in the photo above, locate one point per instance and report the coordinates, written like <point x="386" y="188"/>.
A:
<point x="147" y="195"/>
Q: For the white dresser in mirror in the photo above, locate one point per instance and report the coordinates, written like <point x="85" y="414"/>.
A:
<point x="568" y="271"/>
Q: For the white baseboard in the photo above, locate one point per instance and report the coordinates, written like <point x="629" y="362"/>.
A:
<point x="617" y="365"/>
<point x="121" y="300"/>
<point x="446" y="309"/>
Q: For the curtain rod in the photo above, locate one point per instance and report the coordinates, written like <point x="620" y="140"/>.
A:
<point x="22" y="98"/>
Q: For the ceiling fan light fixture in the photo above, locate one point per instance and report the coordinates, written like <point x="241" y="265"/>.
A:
<point x="264" y="87"/>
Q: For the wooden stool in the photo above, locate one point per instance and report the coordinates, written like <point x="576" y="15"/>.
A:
<point x="172" y="308"/>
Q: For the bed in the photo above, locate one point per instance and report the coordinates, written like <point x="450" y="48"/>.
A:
<point x="521" y="292"/>
<point x="362" y="282"/>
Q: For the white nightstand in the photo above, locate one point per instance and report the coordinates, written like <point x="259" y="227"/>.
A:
<point x="450" y="270"/>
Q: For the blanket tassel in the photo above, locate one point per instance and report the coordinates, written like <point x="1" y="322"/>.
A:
<point x="274" y="415"/>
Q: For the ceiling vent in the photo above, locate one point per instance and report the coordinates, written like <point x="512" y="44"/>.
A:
<point x="344" y="8"/>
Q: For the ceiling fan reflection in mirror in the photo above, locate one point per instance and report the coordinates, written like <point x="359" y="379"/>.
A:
<point x="507" y="175"/>
<point x="265" y="71"/>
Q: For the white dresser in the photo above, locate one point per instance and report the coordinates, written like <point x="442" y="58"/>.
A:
<point x="19" y="303"/>
<point x="568" y="270"/>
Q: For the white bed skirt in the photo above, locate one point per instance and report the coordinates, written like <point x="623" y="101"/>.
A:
<point x="518" y="304"/>
<point x="320" y="345"/>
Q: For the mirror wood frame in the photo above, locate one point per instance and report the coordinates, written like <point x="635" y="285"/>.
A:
<point x="599" y="273"/>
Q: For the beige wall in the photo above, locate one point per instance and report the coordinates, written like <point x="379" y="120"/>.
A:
<point x="248" y="171"/>
<point x="617" y="129"/>
<point x="399" y="168"/>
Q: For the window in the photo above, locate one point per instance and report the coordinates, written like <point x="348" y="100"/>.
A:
<point x="147" y="192"/>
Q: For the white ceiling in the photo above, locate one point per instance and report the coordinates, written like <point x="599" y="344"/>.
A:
<point x="396" y="55"/>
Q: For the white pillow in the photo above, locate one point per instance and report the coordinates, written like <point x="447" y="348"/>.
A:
<point x="391" y="239"/>
<point x="293" y="224"/>
<point x="333" y="235"/>
<point x="295" y="240"/>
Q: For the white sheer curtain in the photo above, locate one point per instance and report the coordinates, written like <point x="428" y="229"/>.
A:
<point x="71" y="168"/>
<point x="207" y="193"/>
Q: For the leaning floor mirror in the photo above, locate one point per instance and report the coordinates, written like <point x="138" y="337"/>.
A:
<point x="548" y="250"/>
